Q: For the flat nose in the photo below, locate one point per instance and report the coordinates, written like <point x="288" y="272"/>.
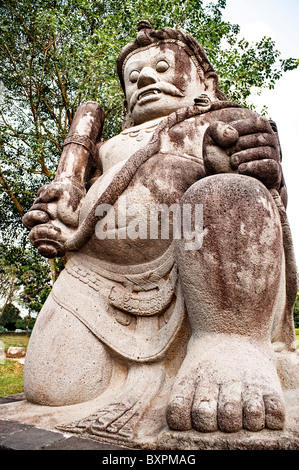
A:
<point x="146" y="77"/>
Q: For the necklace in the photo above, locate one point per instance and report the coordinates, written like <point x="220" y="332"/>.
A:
<point x="139" y="132"/>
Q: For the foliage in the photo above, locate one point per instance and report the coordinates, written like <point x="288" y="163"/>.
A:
<point x="2" y="329"/>
<point x="26" y="323"/>
<point x="9" y="316"/>
<point x="28" y="276"/>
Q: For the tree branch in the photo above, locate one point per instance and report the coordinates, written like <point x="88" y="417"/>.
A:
<point x="6" y="187"/>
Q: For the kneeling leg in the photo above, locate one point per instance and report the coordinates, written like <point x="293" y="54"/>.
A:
<point x="228" y="379"/>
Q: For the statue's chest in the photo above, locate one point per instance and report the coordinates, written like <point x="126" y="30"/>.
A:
<point x="173" y="167"/>
<point x="163" y="179"/>
<point x="131" y="227"/>
<point x="139" y="226"/>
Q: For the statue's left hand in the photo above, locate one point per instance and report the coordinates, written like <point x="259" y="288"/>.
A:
<point x="248" y="147"/>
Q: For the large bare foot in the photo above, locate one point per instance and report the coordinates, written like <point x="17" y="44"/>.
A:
<point x="226" y="382"/>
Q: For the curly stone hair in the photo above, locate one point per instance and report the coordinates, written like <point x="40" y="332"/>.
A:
<point x="147" y="36"/>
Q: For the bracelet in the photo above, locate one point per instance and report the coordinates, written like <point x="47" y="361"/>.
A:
<point x="83" y="140"/>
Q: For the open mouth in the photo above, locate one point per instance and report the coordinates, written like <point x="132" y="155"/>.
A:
<point x="146" y="93"/>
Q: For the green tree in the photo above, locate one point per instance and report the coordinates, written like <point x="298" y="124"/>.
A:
<point x="8" y="282"/>
<point x="9" y="317"/>
<point x="55" y="54"/>
<point x="35" y="288"/>
<point x="25" y="278"/>
<point x="26" y="323"/>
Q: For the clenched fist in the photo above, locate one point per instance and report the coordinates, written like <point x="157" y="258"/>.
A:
<point x="53" y="217"/>
<point x="248" y="147"/>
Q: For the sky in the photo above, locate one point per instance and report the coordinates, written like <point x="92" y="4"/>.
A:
<point x="278" y="19"/>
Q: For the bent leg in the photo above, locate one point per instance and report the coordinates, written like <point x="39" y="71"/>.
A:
<point x="230" y="283"/>
<point x="228" y="379"/>
<point x="65" y="363"/>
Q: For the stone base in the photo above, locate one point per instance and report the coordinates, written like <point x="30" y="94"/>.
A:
<point x="37" y="424"/>
<point x="16" y="435"/>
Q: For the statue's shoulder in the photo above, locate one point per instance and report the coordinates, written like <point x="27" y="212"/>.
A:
<point x="204" y="112"/>
<point x="231" y="111"/>
<point x="221" y="110"/>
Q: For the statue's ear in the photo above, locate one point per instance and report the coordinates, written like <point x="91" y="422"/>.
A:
<point x="128" y="121"/>
<point x="211" y="84"/>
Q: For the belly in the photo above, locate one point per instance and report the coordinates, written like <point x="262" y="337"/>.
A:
<point x="140" y="226"/>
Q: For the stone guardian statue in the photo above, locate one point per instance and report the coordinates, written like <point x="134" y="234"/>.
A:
<point x="188" y="328"/>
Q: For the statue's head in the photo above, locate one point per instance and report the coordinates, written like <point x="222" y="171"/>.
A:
<point x="162" y="71"/>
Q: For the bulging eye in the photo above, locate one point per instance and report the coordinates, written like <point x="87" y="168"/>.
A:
<point x="162" y="66"/>
<point x="134" y="76"/>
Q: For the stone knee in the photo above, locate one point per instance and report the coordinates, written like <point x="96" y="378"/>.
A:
<point x="65" y="363"/>
<point x="232" y="280"/>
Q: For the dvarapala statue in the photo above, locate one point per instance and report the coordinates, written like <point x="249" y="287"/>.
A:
<point x="175" y="304"/>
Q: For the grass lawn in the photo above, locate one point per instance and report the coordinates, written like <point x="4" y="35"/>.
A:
<point x="11" y="372"/>
<point x="11" y="378"/>
<point x="14" y="340"/>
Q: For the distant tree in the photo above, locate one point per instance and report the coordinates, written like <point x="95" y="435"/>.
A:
<point x="8" y="283"/>
<point x="26" y="323"/>
<point x="9" y="317"/>
<point x="25" y="278"/>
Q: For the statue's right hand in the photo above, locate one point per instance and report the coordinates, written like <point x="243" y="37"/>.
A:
<point x="48" y="239"/>
<point x="40" y="212"/>
<point x="35" y="217"/>
<point x="247" y="146"/>
<point x="59" y="200"/>
<point x="53" y="217"/>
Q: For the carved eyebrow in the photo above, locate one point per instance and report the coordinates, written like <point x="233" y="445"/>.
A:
<point x="136" y="65"/>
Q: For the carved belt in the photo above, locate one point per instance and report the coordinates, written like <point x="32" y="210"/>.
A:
<point x="137" y="311"/>
<point x="153" y="299"/>
<point x="148" y="303"/>
<point x="142" y="294"/>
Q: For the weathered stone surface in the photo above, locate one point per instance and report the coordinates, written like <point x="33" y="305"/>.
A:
<point x="173" y="315"/>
